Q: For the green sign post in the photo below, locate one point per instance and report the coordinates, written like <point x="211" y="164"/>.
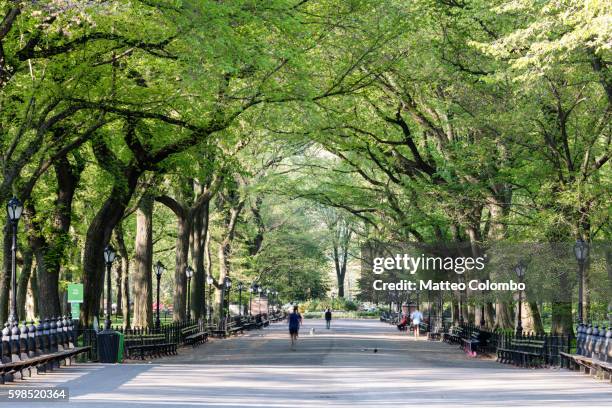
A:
<point x="75" y="293"/>
<point x="75" y="298"/>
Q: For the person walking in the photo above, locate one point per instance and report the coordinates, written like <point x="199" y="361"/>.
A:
<point x="416" y="318"/>
<point x="295" y="320"/>
<point x="328" y="317"/>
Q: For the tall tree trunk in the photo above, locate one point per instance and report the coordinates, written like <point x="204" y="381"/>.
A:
<point x="198" y="286"/>
<point x="231" y="220"/>
<point x="209" y="269"/>
<point x="22" y="285"/>
<point x="98" y="236"/>
<point x="5" y="279"/>
<point x="339" y="272"/>
<point x="455" y="310"/>
<point x="118" y="291"/>
<point x="181" y="259"/>
<point x="123" y="286"/>
<point x="48" y="296"/>
<point x="32" y="297"/>
<point x="499" y="203"/>
<point x="143" y="262"/>
<point x="534" y="317"/>
<point x="562" y="322"/>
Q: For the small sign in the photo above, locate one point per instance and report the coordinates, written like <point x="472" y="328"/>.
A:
<point x="75" y="310"/>
<point x="75" y="293"/>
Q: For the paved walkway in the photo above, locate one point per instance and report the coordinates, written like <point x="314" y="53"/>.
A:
<point x="336" y="367"/>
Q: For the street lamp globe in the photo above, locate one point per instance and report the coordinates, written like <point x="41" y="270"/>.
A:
<point x="189" y="272"/>
<point x="109" y="254"/>
<point x="240" y="286"/>
<point x="209" y="280"/>
<point x="159" y="268"/>
<point x="520" y="269"/>
<point x="581" y="250"/>
<point x="228" y="282"/>
<point x="14" y="209"/>
<point x="260" y="289"/>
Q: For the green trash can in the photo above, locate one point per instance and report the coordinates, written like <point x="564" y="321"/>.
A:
<point x="120" y="351"/>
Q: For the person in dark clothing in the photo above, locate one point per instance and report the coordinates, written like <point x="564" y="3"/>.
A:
<point x="295" y="320"/>
<point x="328" y="316"/>
<point x="403" y="325"/>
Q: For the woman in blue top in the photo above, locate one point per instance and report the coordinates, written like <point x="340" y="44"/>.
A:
<point x="295" y="320"/>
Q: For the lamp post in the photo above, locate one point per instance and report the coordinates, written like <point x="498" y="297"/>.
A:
<point x="275" y="297"/>
<point x="14" y="209"/>
<point x="429" y="310"/>
<point x="520" y="269"/>
<point x="581" y="250"/>
<point x="440" y="311"/>
<point x="189" y="273"/>
<point x="209" y="280"/>
<point x="240" y="287"/>
<point x="109" y="257"/>
<point x="460" y="303"/>
<point x="159" y="270"/>
<point x="251" y="290"/>
<point x="482" y="311"/>
<point x="227" y="283"/>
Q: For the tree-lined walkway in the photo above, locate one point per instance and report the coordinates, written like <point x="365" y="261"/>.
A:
<point x="336" y="367"/>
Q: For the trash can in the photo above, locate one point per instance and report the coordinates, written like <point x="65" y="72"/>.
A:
<point x="108" y="346"/>
<point x="121" y="346"/>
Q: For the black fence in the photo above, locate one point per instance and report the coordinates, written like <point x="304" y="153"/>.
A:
<point x="553" y="344"/>
<point x="87" y="336"/>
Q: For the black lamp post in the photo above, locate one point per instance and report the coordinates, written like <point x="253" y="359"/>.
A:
<point x="251" y="290"/>
<point x="460" y="303"/>
<point x="14" y="209"/>
<point x="440" y="311"/>
<point x="581" y="250"/>
<point x="260" y="290"/>
<point x="240" y="287"/>
<point x="275" y="297"/>
<point x="109" y="257"/>
<point x="209" y="280"/>
<point x="159" y="270"/>
<point x="520" y="269"/>
<point x="482" y="311"/>
<point x="227" y="284"/>
<point x="189" y="273"/>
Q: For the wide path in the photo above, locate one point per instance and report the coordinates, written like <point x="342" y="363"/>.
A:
<point x="337" y="367"/>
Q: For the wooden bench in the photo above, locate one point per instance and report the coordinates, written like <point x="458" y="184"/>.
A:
<point x="524" y="352"/>
<point x="593" y="352"/>
<point x="192" y="335"/>
<point x="41" y="347"/>
<point x="148" y="345"/>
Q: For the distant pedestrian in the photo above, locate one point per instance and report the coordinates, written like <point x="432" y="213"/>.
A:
<point x="328" y="316"/>
<point x="295" y="320"/>
<point x="416" y="317"/>
<point x="403" y="324"/>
